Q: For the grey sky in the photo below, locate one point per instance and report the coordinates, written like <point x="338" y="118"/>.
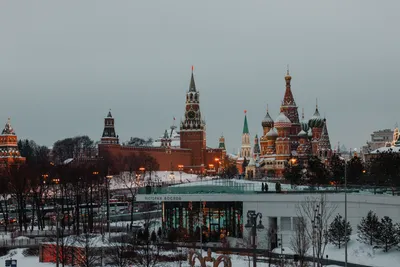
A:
<point x="63" y="64"/>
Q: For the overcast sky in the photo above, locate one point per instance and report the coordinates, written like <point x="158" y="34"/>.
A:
<point x="64" y="64"/>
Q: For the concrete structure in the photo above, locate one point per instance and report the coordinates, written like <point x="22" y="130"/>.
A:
<point x="392" y="145"/>
<point x="378" y="139"/>
<point x="192" y="155"/>
<point x="279" y="210"/>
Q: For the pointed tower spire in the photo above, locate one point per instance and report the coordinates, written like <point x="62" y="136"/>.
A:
<point x="324" y="143"/>
<point x="288" y="99"/>
<point x="245" y="126"/>
<point x="192" y="86"/>
<point x="109" y="136"/>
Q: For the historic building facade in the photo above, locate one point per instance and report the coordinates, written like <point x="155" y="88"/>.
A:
<point x="287" y="139"/>
<point x="192" y="155"/>
<point x="9" y="153"/>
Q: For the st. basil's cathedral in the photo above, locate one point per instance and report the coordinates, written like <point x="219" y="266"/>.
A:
<point x="285" y="140"/>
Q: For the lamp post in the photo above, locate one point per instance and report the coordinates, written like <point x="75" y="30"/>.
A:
<point x="252" y="217"/>
<point x="108" y="177"/>
<point x="180" y="171"/>
<point x="316" y="224"/>
<point x="217" y="162"/>
<point x="56" y="181"/>
<point x="142" y="169"/>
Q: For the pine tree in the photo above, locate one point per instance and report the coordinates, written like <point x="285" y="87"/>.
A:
<point x="368" y="229"/>
<point x="388" y="235"/>
<point x="336" y="232"/>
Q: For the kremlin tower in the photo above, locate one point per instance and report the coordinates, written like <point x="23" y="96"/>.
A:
<point x="109" y="136"/>
<point x="9" y="153"/>
<point x="245" y="150"/>
<point x="192" y="129"/>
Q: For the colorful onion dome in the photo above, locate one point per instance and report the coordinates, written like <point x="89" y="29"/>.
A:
<point x="304" y="122"/>
<point x="302" y="133"/>
<point x="267" y="121"/>
<point x="282" y="121"/>
<point x="272" y="134"/>
<point x="316" y="121"/>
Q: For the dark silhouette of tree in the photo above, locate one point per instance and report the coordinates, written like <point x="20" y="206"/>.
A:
<point x="293" y="173"/>
<point x="337" y="169"/>
<point x="317" y="173"/>
<point x="355" y="171"/>
<point x="73" y="147"/>
<point x="368" y="229"/>
<point x="384" y="169"/>
<point x="337" y="230"/>
<point x="387" y="234"/>
<point x="230" y="169"/>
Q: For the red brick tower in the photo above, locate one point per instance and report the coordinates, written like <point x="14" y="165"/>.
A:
<point x="193" y="128"/>
<point x="109" y="136"/>
<point x="290" y="109"/>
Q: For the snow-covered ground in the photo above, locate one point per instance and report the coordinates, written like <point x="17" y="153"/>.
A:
<point x="357" y="253"/>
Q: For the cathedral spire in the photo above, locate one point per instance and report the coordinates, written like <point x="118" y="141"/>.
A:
<point x="192" y="86"/>
<point x="288" y="99"/>
<point x="245" y="126"/>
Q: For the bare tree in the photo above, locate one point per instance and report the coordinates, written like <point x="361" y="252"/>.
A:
<point x="121" y="251"/>
<point x="316" y="212"/>
<point x="299" y="242"/>
<point x="147" y="251"/>
<point x="246" y="243"/>
<point x="90" y="252"/>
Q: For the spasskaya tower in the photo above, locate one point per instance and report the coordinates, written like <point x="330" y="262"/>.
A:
<point x="193" y="129"/>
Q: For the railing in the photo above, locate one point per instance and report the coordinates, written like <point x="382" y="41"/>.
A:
<point x="20" y="243"/>
<point x="223" y="186"/>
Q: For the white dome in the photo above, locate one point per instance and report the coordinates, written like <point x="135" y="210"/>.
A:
<point x="282" y="121"/>
<point x="272" y="133"/>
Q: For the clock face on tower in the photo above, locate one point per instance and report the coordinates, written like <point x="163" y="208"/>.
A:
<point x="191" y="114"/>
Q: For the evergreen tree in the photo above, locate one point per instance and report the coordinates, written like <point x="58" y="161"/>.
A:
<point x="293" y="173"/>
<point x="368" y="229"/>
<point x="355" y="170"/>
<point x="317" y="172"/>
<point x="336" y="232"/>
<point x="337" y="169"/>
<point x="388" y="234"/>
<point x="153" y="237"/>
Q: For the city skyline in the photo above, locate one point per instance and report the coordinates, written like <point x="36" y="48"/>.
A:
<point x="62" y="68"/>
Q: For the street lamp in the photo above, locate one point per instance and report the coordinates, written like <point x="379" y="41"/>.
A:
<point x="252" y="217"/>
<point x="217" y="162"/>
<point x="180" y="171"/>
<point x="108" y="177"/>
<point x="142" y="169"/>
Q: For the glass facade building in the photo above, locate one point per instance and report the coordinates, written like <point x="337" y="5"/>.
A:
<point x="216" y="219"/>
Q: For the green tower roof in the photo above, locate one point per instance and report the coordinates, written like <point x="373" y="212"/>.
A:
<point x="245" y="126"/>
